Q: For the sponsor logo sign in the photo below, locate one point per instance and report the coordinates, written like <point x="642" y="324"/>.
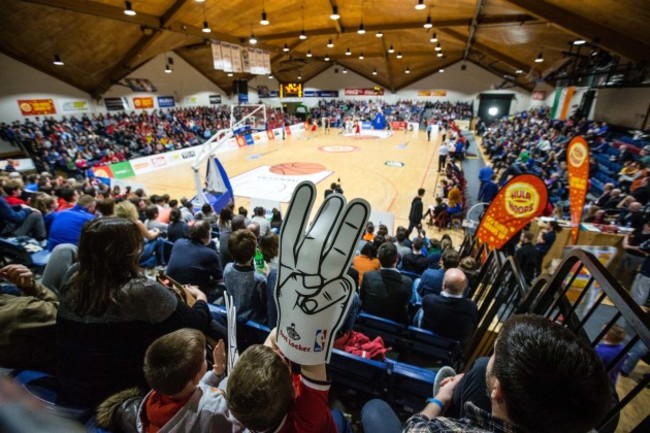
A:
<point x="578" y="162"/>
<point x="36" y="107"/>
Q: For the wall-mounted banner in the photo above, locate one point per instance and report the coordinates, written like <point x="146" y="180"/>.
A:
<point x="166" y="101"/>
<point x="36" y="107"/>
<point x="321" y="93"/>
<point x="215" y="99"/>
<point x="375" y="91"/>
<point x="538" y="95"/>
<point x="116" y="104"/>
<point x="578" y="162"/>
<point x="434" y="93"/>
<point x="288" y="90"/>
<point x="75" y="106"/>
<point x="140" y="103"/>
<point x="518" y="202"/>
<point x="191" y="100"/>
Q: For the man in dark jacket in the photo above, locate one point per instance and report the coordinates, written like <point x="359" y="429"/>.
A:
<point x="527" y="256"/>
<point x="415" y="215"/>
<point x="386" y="292"/>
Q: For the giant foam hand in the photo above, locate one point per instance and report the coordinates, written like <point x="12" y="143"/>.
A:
<point x="313" y="292"/>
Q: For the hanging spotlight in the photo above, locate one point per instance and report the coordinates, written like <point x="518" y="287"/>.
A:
<point x="579" y="42"/>
<point x="362" y="29"/>
<point x="168" y="69"/>
<point x="439" y="54"/>
<point x="302" y="36"/>
<point x="206" y="27"/>
<point x="286" y="48"/>
<point x="519" y="71"/>
<point x="540" y="58"/>
<point x="335" y="13"/>
<point x="391" y="50"/>
<point x="270" y="77"/>
<point x="57" y="60"/>
<point x="253" y="40"/>
<point x="308" y="53"/>
<point x="348" y="52"/>
<point x="379" y="34"/>
<point x="330" y="44"/>
<point x="420" y="5"/>
<point x="230" y="74"/>
<point x="345" y="70"/>
<point x="264" y="21"/>
<point x="428" y="24"/>
<point x="407" y="70"/>
<point x="327" y="58"/>
<point x="128" y="9"/>
<point x="438" y="47"/>
<point x="434" y="37"/>
<point x="299" y="76"/>
<point x="399" y="55"/>
<point x="441" y="70"/>
<point x="361" y="56"/>
<point x="374" y="72"/>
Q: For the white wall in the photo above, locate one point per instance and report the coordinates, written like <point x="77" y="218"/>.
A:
<point x="624" y="107"/>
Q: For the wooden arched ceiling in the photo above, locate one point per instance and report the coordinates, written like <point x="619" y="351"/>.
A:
<point x="101" y="45"/>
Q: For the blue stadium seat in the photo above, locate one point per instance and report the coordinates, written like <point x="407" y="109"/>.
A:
<point x="374" y="326"/>
<point x="14" y="250"/>
<point x="430" y="345"/>
<point x="361" y="374"/>
<point x="409" y="385"/>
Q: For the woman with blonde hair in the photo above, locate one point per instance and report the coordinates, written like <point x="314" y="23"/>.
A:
<point x="152" y="253"/>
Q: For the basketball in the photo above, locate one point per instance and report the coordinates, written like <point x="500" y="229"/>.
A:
<point x="297" y="168"/>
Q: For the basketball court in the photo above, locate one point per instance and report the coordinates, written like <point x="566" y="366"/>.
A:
<point x="385" y="169"/>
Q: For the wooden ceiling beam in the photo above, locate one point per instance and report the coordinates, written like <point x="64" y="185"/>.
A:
<point x="388" y="69"/>
<point x="498" y="72"/>
<point x="213" y="81"/>
<point x="490" y="51"/>
<point x="455" y="22"/>
<point x="431" y="71"/>
<point x="606" y="37"/>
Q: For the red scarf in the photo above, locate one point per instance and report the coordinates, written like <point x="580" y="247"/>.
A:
<point x="160" y="409"/>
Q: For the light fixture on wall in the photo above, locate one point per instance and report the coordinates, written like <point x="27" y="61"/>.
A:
<point x="335" y="13"/>
<point x="57" y="60"/>
<point x="379" y="34"/>
<point x="540" y="57"/>
<point x="428" y="24"/>
<point x="434" y="37"/>
<point x="330" y="44"/>
<point x="308" y="53"/>
<point x="253" y="39"/>
<point x="286" y="48"/>
<point x="128" y="9"/>
<point x="420" y="6"/>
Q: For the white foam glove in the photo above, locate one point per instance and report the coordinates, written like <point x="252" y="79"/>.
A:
<point x="313" y="292"/>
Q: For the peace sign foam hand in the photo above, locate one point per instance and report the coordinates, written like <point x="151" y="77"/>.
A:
<point x="313" y="291"/>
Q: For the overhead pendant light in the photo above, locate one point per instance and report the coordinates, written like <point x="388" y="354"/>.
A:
<point x="379" y="34"/>
<point x="434" y="37"/>
<point x="299" y="76"/>
<point x="286" y="48"/>
<point x="438" y="47"/>
<point x="327" y="58"/>
<point x="374" y="72"/>
<point x="399" y="55"/>
<point x="345" y="70"/>
<point x="440" y="54"/>
<point x="128" y="9"/>
<point x="168" y="69"/>
<point x="57" y="60"/>
<point x="302" y="36"/>
<point x="335" y="13"/>
<point x="361" y="56"/>
<point x="428" y="24"/>
<point x="407" y="70"/>
<point x="264" y="21"/>
<point x="519" y="71"/>
<point x="330" y="44"/>
<point x="348" y="52"/>
<point x="539" y="58"/>
<point x="253" y="39"/>
<point x="420" y="6"/>
<point x="230" y="74"/>
<point x="308" y="53"/>
<point x="441" y="70"/>
<point x="206" y="27"/>
<point x="391" y="50"/>
<point x="362" y="29"/>
<point x="579" y="42"/>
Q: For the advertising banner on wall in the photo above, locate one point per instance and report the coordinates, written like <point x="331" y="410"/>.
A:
<point x="578" y="162"/>
<point x="122" y="170"/>
<point x="166" y="101"/>
<point x="321" y="93"/>
<point x="215" y="99"/>
<point x="140" y="103"/>
<point x="375" y="91"/>
<point x="74" y="106"/>
<point x="433" y="93"/>
<point x="191" y="100"/>
<point x="519" y="201"/>
<point x="116" y="104"/>
<point x="36" y="107"/>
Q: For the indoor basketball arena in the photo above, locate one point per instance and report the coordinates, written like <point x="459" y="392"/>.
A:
<point x="356" y="217"/>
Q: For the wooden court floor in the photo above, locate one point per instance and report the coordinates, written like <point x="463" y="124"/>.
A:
<point x="387" y="172"/>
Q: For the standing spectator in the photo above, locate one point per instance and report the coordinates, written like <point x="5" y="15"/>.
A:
<point x="260" y="218"/>
<point x="443" y="151"/>
<point x="527" y="257"/>
<point x="177" y="229"/>
<point x="545" y="241"/>
<point x="415" y="214"/>
<point x="276" y="221"/>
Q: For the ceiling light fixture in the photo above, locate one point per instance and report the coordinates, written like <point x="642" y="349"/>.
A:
<point x="399" y="55"/>
<point x="407" y="70"/>
<point x="374" y="72"/>
<point x="345" y="70"/>
<point x="299" y="76"/>
<point x="539" y="58"/>
<point x="428" y="24"/>
<point x="128" y="9"/>
<point x="361" y="56"/>
<point x="441" y="70"/>
<point x="434" y="37"/>
<point x="270" y="77"/>
<point x="168" y="69"/>
<point x="308" y="53"/>
<point x="348" y="52"/>
<point x="519" y="71"/>
<point x="286" y="48"/>
<point x="253" y="39"/>
<point x="57" y="60"/>
<point x="230" y="74"/>
<point x="379" y="34"/>
<point x="362" y="29"/>
<point x="302" y="36"/>
<point x="391" y="50"/>
<point x="440" y="54"/>
<point x="438" y="47"/>
<point x="330" y="44"/>
<point x="420" y="6"/>
<point x="206" y="27"/>
<point x="335" y="13"/>
<point x="579" y="42"/>
<point x="327" y="58"/>
<point x="264" y="21"/>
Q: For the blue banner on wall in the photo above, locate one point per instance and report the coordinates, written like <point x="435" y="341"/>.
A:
<point x="321" y="94"/>
<point x="166" y="101"/>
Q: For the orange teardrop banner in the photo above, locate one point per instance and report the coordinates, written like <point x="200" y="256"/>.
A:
<point x="578" y="162"/>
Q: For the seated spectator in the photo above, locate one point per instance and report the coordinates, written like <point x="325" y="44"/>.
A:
<point x="184" y="395"/>
<point x="244" y="212"/>
<point x="67" y="198"/>
<point x="106" y="207"/>
<point x="269" y="246"/>
<point x="471" y="269"/>
<point x="276" y="221"/>
<point x="260" y="218"/>
<point x="545" y="241"/>
<point x="631" y="216"/>
<point x="642" y="192"/>
<point x="14" y="190"/>
<point x="237" y="223"/>
<point x="207" y="213"/>
<point x="187" y="210"/>
<point x="366" y="261"/>
<point x="109" y="313"/>
<point x="243" y="282"/>
<point x="400" y="242"/>
<point x="46" y="205"/>
<point x="386" y="292"/>
<point x="21" y="220"/>
<point x="528" y="257"/>
<point x="449" y="314"/>
<point x="432" y="279"/>
<point x="177" y="229"/>
<point x="152" y="223"/>
<point x="152" y="253"/>
<point x="369" y="234"/>
<point x="615" y="197"/>
<point x="415" y="261"/>
<point x="225" y="219"/>
<point x="67" y="224"/>
<point x="193" y="262"/>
